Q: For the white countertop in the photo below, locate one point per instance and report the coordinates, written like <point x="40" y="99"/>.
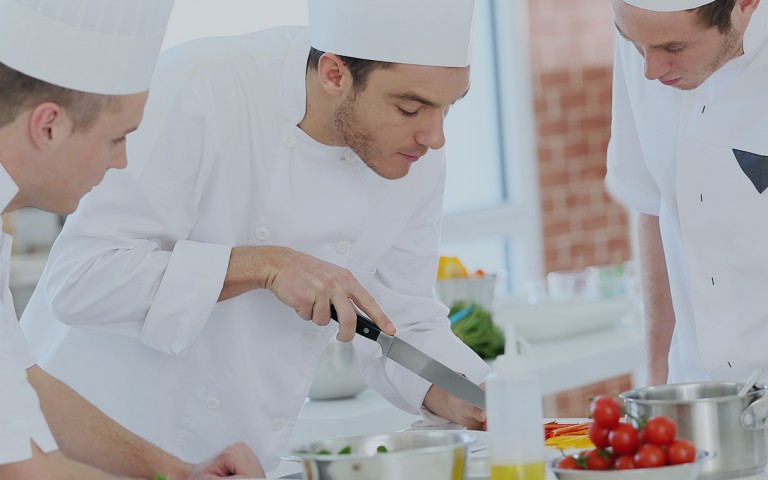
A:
<point x="564" y="364"/>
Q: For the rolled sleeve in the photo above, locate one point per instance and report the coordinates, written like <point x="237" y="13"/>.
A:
<point x="628" y="179"/>
<point x="186" y="297"/>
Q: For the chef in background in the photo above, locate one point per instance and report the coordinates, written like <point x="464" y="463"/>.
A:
<point x="73" y="81"/>
<point x="275" y="174"/>
<point x="689" y="151"/>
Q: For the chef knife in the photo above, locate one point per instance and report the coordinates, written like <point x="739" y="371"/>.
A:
<point x="419" y="363"/>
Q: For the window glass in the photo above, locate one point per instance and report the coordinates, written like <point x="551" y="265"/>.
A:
<point x="473" y="148"/>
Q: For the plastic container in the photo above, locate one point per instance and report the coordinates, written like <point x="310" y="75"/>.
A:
<point x="514" y="415"/>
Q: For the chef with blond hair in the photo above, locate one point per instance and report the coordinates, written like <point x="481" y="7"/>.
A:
<point x="73" y="83"/>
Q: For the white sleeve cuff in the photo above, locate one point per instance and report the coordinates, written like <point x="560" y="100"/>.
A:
<point x="186" y="297"/>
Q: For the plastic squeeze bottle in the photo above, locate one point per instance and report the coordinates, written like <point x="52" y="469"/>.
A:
<point x="514" y="415"/>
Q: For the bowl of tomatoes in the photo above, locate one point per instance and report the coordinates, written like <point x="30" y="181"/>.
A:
<point x="623" y="451"/>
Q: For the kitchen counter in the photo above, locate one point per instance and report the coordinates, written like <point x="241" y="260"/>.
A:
<point x="564" y="364"/>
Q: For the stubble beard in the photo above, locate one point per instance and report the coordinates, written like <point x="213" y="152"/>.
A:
<point x="732" y="48"/>
<point x="348" y="127"/>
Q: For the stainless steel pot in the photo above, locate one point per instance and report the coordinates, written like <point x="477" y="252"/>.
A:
<point x="413" y="455"/>
<point x="715" y="419"/>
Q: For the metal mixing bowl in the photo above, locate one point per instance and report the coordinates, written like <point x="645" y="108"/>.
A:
<point x="337" y="375"/>
<point x="413" y="455"/>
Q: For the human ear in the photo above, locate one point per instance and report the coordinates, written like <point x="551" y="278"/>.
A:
<point x="747" y="7"/>
<point x="47" y="122"/>
<point x="334" y="76"/>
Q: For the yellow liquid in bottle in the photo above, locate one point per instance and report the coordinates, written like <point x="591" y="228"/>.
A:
<point x="528" y="471"/>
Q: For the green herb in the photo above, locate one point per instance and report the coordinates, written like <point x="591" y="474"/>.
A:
<point x="160" y="477"/>
<point x="478" y="331"/>
<point x="381" y="449"/>
<point x="346" y="450"/>
<point x="323" y="452"/>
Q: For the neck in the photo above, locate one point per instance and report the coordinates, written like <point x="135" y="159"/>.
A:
<point x="318" y="116"/>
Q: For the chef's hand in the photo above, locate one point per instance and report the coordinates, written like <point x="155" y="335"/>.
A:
<point x="235" y="461"/>
<point x="305" y="283"/>
<point x="452" y="408"/>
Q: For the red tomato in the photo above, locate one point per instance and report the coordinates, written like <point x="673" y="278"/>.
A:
<point x="660" y="430"/>
<point x="605" y="411"/>
<point x="624" y="439"/>
<point x="599" y="435"/>
<point x="681" y="451"/>
<point x="597" y="459"/>
<point x="641" y="437"/>
<point x="568" y="463"/>
<point x="624" y="462"/>
<point x="649" y="456"/>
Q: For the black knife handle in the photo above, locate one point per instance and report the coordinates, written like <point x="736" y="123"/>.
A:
<point x="364" y="327"/>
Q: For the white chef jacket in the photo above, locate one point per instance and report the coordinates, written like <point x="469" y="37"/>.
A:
<point x="697" y="159"/>
<point x="21" y="420"/>
<point x="220" y="162"/>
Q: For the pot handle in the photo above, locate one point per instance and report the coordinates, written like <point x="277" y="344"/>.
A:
<point x="755" y="416"/>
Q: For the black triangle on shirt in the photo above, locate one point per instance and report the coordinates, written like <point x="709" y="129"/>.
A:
<point x="755" y="167"/>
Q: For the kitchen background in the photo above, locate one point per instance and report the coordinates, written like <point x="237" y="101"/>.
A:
<point x="526" y="148"/>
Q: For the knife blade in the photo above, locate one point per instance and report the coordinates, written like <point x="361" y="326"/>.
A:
<point x="419" y="362"/>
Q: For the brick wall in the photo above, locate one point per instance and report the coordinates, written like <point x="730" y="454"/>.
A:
<point x="571" y="48"/>
<point x="571" y="56"/>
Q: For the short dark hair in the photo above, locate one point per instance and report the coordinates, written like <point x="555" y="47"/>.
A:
<point x="717" y="14"/>
<point x="358" y="67"/>
<point x="19" y="92"/>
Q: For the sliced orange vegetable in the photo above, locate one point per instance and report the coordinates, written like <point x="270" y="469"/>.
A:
<point x="580" y="427"/>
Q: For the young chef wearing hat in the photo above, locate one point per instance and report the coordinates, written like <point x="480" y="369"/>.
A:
<point x="264" y="187"/>
<point x="688" y="151"/>
<point x="56" y="142"/>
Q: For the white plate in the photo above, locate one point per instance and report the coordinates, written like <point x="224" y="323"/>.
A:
<point x="686" y="471"/>
<point x="549" y="320"/>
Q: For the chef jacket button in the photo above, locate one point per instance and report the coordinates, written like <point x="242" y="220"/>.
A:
<point x="278" y="424"/>
<point x="288" y="140"/>
<point x="261" y="234"/>
<point x="312" y="336"/>
<point x="349" y="155"/>
<point x="342" y="247"/>
<point x="212" y="403"/>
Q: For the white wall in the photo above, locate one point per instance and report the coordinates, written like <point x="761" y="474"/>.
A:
<point x="202" y="18"/>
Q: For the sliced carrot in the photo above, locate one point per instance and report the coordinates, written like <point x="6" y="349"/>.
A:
<point x="571" y="429"/>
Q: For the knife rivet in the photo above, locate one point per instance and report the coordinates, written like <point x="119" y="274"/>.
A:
<point x="366" y="330"/>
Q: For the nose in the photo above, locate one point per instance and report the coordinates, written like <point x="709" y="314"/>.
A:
<point x="432" y="133"/>
<point x="656" y="64"/>
<point x="119" y="159"/>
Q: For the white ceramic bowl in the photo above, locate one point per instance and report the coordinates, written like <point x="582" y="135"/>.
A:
<point x="548" y="320"/>
<point x="686" y="471"/>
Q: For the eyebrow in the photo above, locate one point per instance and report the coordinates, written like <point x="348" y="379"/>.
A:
<point x="412" y="97"/>
<point x="662" y="45"/>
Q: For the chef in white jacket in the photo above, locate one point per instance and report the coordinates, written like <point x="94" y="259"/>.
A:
<point x="689" y="151"/>
<point x="263" y="187"/>
<point x="72" y="85"/>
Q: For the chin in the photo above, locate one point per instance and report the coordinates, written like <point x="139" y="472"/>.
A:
<point x="394" y="174"/>
<point x="390" y="170"/>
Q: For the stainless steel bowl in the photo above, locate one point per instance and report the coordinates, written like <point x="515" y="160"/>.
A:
<point x="337" y="375"/>
<point x="415" y="455"/>
<point x="714" y="418"/>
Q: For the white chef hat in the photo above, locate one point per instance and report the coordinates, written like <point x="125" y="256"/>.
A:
<point x="420" y="32"/>
<point x="108" y="47"/>
<point x="668" y="5"/>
